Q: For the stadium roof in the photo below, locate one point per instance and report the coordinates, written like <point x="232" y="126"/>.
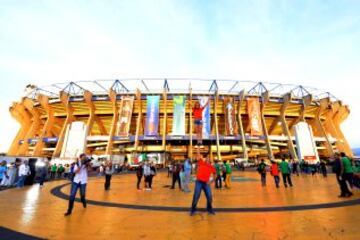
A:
<point x="177" y="85"/>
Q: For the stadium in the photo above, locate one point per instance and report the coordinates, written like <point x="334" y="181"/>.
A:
<point x="117" y="118"/>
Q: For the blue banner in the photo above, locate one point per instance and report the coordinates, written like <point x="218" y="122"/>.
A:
<point x="206" y="116"/>
<point x="152" y="115"/>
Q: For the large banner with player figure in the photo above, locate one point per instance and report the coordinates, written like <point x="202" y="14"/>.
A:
<point x="152" y="115"/>
<point x="254" y="113"/>
<point x="205" y="116"/>
<point x="125" y="113"/>
<point x="230" y="118"/>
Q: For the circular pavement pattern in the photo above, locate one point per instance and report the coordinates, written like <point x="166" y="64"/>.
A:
<point x="57" y="191"/>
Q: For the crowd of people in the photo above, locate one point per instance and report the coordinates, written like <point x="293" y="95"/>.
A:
<point x="207" y="173"/>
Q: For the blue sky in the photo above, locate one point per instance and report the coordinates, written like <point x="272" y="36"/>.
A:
<point x="313" y="43"/>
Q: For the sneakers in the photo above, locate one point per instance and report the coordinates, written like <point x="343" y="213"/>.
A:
<point x="192" y="213"/>
<point x="211" y="213"/>
<point x="67" y="214"/>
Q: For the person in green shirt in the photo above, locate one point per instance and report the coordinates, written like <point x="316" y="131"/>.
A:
<point x="262" y="171"/>
<point x="285" y="171"/>
<point x="53" y="171"/>
<point x="347" y="170"/>
<point x="228" y="171"/>
<point x="218" y="181"/>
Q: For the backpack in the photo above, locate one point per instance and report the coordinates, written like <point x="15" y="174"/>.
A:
<point x="261" y="168"/>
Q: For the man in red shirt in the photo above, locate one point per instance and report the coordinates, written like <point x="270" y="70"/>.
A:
<point x="205" y="169"/>
<point x="274" y="171"/>
<point x="197" y="113"/>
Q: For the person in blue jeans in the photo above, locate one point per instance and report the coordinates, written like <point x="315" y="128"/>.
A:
<point x="187" y="173"/>
<point x="24" y="171"/>
<point x="205" y="169"/>
<point x="79" y="182"/>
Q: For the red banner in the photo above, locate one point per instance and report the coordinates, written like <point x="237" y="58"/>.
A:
<point x="254" y="114"/>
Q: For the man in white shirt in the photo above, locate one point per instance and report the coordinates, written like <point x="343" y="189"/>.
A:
<point x="80" y="181"/>
<point x="24" y="171"/>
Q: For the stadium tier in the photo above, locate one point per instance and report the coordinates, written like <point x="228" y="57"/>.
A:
<point x="117" y="117"/>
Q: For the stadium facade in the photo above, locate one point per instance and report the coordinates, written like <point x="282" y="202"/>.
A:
<point x="243" y="118"/>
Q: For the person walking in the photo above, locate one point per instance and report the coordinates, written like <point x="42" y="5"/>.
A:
<point x="108" y="173"/>
<point x="218" y="181"/>
<point x="338" y="170"/>
<point x="3" y="171"/>
<point x="228" y="171"/>
<point x="53" y="171"/>
<point x="347" y="170"/>
<point x="285" y="171"/>
<point x="202" y="183"/>
<point x="323" y="168"/>
<point x="147" y="176"/>
<point x="80" y="181"/>
<point x="295" y="167"/>
<point x="262" y="171"/>
<point x="139" y="175"/>
<point x="187" y="175"/>
<point x="176" y="176"/>
<point x="152" y="173"/>
<point x="274" y="171"/>
<point x="24" y="171"/>
<point x="42" y="173"/>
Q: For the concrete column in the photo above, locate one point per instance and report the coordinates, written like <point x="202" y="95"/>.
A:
<point x="17" y="111"/>
<point x="323" y="106"/>
<point x="138" y="122"/>
<point x="340" y="115"/>
<point x="164" y="120"/>
<point x="34" y="128"/>
<point x="241" y="127"/>
<point x="64" y="98"/>
<point x="114" y="121"/>
<point x="49" y="124"/>
<point x="216" y="127"/>
<point x="287" y="99"/>
<point x="265" y="99"/>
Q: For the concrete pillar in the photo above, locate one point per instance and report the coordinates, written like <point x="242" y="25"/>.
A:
<point x="265" y="99"/>
<point x="114" y="121"/>
<point x="34" y="128"/>
<point x="64" y="98"/>
<point x="17" y="111"/>
<point x="138" y="120"/>
<point x="49" y="124"/>
<point x="216" y="127"/>
<point x="241" y="127"/>
<point x="287" y="99"/>
<point x="323" y="106"/>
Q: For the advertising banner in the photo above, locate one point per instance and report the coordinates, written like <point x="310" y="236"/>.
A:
<point x="230" y="118"/>
<point x="206" y="116"/>
<point x="125" y="113"/>
<point x="178" y="124"/>
<point x="254" y="114"/>
<point x="152" y="115"/>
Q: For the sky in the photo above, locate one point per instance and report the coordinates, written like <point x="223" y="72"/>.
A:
<point x="305" y="42"/>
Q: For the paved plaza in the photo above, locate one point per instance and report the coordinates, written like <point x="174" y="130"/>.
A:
<point x="309" y="210"/>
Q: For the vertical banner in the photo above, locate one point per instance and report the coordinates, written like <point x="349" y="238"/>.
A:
<point x="230" y="119"/>
<point x="152" y="115"/>
<point x="206" y="116"/>
<point x="125" y="113"/>
<point x="178" y="125"/>
<point x="253" y="109"/>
